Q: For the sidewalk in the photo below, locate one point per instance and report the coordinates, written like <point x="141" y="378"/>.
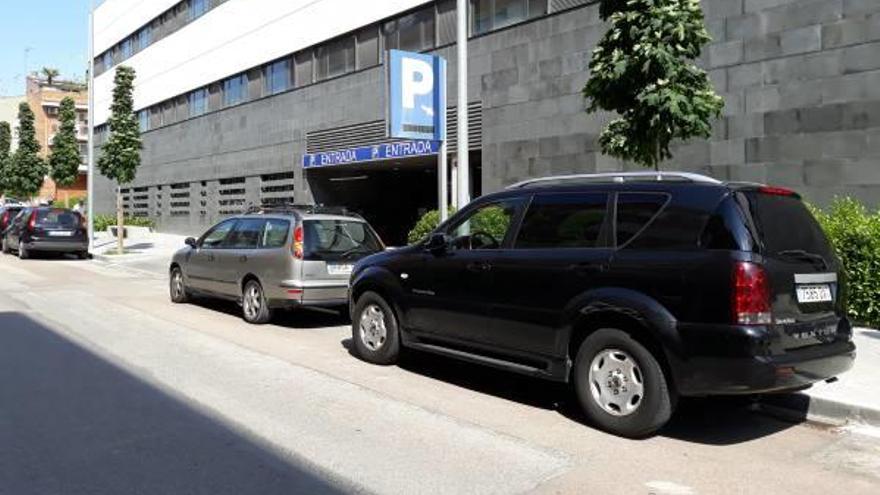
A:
<point x="151" y="253"/>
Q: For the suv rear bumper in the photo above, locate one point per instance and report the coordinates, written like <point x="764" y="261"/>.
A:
<point x="761" y="374"/>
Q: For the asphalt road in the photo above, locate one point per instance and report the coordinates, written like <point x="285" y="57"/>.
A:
<point x="106" y="387"/>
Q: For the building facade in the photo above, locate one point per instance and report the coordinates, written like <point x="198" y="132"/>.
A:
<point x="45" y="101"/>
<point x="232" y="94"/>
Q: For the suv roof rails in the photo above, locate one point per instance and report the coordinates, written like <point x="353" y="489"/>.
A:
<point x="296" y="208"/>
<point x="621" y="177"/>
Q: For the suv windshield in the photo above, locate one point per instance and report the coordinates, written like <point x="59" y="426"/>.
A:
<point x="787" y="228"/>
<point x="57" y="219"/>
<point x="338" y="240"/>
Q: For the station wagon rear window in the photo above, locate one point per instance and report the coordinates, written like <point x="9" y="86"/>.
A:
<point x="333" y="240"/>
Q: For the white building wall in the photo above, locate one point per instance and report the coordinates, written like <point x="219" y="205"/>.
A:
<point x="237" y="35"/>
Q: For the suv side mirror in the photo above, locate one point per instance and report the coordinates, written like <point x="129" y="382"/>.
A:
<point x="191" y="242"/>
<point x="437" y="243"/>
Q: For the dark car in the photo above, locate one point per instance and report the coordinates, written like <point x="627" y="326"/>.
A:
<point x="638" y="288"/>
<point x="7" y="214"/>
<point x="46" y="230"/>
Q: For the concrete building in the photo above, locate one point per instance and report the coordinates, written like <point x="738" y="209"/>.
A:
<point x="232" y="94"/>
<point x="9" y="113"/>
<point x="45" y="101"/>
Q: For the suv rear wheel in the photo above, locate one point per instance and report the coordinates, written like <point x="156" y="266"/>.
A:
<point x="620" y="384"/>
<point x="374" y="330"/>
<point x="254" y="305"/>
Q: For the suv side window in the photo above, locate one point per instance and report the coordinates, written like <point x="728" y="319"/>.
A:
<point x="486" y="227"/>
<point x="246" y="234"/>
<point x="214" y="237"/>
<point x="566" y="220"/>
<point x="635" y="211"/>
<point x="275" y="234"/>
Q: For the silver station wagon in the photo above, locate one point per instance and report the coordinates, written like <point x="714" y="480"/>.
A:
<point x="274" y="258"/>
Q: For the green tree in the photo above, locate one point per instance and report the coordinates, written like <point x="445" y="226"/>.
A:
<point x="64" y="158"/>
<point x="643" y="69"/>
<point x="50" y="73"/>
<point x="5" y="146"/>
<point x="25" y="170"/>
<point x="121" y="154"/>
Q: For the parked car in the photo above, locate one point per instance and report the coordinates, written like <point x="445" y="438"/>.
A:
<point x="7" y="214"/>
<point x="638" y="288"/>
<point x="271" y="258"/>
<point x="46" y="230"/>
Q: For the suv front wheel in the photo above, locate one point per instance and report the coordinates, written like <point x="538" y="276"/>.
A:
<point x="374" y="330"/>
<point x="620" y="384"/>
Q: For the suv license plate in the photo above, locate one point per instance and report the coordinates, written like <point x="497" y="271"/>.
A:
<point x="340" y="269"/>
<point x="814" y="293"/>
<point x="60" y="233"/>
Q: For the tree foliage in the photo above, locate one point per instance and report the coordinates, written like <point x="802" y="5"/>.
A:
<point x="643" y="69"/>
<point x="50" y="73"/>
<point x="5" y="146"/>
<point x="121" y="154"/>
<point x="26" y="169"/>
<point x="64" y="159"/>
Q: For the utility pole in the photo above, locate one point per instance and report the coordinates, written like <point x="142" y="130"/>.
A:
<point x="463" y="168"/>
<point x="90" y="178"/>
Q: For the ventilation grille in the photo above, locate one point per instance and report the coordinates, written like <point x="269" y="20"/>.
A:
<point x="180" y="200"/>
<point x="232" y="196"/>
<point x="277" y="189"/>
<point x="370" y="133"/>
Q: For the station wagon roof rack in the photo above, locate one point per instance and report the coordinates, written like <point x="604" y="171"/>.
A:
<point x="621" y="177"/>
<point x="297" y="208"/>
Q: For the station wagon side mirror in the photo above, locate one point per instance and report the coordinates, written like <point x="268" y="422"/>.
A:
<point x="191" y="242"/>
<point x="437" y="243"/>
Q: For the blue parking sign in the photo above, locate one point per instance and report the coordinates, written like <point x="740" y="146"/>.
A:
<point x="417" y="96"/>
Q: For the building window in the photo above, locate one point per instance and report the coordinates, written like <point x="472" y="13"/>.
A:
<point x="127" y="48"/>
<point x="413" y="32"/>
<point x="303" y="69"/>
<point x="144" y="120"/>
<point x="108" y="60"/>
<point x="277" y="76"/>
<point x="489" y="15"/>
<point x="198" y="102"/>
<point x="145" y="38"/>
<point x="197" y="8"/>
<point x="335" y="58"/>
<point x="234" y="90"/>
<point x="368" y="48"/>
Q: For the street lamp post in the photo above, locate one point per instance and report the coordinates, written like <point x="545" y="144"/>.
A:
<point x="463" y="168"/>
<point x="90" y="178"/>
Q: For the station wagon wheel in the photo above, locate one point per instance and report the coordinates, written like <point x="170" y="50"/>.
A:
<point x="254" y="304"/>
<point x="375" y="333"/>
<point x="620" y="384"/>
<point x="177" y="287"/>
<point x="23" y="252"/>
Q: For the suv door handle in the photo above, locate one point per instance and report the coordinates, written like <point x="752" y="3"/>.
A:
<point x="243" y="258"/>
<point x="479" y="266"/>
<point x="585" y="268"/>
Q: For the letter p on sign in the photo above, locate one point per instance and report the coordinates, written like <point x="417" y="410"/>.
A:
<point x="417" y="77"/>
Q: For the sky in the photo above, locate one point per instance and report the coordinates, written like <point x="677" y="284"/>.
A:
<point x="43" y="33"/>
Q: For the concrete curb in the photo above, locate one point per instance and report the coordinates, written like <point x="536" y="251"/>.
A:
<point x="803" y="407"/>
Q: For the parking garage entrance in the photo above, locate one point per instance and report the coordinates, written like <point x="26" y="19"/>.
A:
<point x="391" y="185"/>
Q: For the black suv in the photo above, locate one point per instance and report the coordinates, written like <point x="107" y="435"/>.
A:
<point x="639" y="288"/>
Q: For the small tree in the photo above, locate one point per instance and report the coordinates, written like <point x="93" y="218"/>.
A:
<point x="25" y="170"/>
<point x="5" y="146"/>
<point x="643" y="69"/>
<point x="50" y="73"/>
<point x="64" y="159"/>
<point x="121" y="154"/>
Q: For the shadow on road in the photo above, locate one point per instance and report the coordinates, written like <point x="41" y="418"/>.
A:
<point x="710" y="421"/>
<point x="72" y="422"/>
<point x="294" y="318"/>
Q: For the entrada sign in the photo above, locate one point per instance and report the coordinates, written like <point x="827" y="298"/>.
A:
<point x="385" y="151"/>
<point x="417" y="96"/>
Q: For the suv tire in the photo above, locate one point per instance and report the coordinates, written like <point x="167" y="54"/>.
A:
<point x="177" y="287"/>
<point x="255" y="307"/>
<point x="620" y="385"/>
<point x="374" y="330"/>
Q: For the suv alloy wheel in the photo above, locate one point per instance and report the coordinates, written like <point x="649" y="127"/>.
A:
<point x="620" y="384"/>
<point x="374" y="330"/>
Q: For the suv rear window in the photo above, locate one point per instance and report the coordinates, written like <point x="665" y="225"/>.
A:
<point x="57" y="219"/>
<point x="331" y="240"/>
<point x="634" y="211"/>
<point x="784" y="224"/>
<point x="563" y="221"/>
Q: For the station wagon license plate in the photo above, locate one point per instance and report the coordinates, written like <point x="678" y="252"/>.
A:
<point x="814" y="293"/>
<point x="60" y="233"/>
<point x="339" y="268"/>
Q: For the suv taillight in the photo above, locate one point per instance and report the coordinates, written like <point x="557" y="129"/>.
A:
<point x="298" y="242"/>
<point x="751" y="295"/>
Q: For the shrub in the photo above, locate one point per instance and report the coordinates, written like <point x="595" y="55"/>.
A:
<point x="104" y="221"/>
<point x="426" y="225"/>
<point x="855" y="234"/>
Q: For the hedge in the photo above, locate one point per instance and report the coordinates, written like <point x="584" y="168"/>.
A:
<point x="104" y="221"/>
